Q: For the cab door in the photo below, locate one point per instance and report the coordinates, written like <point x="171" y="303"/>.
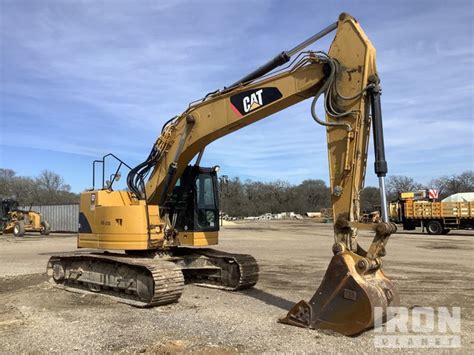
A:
<point x="206" y="208"/>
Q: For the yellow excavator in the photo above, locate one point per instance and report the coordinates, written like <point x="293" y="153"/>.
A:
<point x="168" y="217"/>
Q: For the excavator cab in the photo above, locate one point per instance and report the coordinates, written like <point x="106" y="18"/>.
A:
<point x="196" y="200"/>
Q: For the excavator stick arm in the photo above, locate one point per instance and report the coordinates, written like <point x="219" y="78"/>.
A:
<point x="354" y="283"/>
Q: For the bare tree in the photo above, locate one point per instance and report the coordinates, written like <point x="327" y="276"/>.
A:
<point x="369" y="198"/>
<point x="255" y="198"/>
<point x="311" y="195"/>
<point x="51" y="182"/>
<point x="396" y="184"/>
<point x="7" y="174"/>
<point x="6" y="177"/>
<point x="47" y="188"/>
<point x="448" y="185"/>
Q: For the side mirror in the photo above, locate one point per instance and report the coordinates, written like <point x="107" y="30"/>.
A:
<point x="117" y="176"/>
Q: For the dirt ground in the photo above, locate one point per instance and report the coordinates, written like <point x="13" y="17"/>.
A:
<point x="36" y="317"/>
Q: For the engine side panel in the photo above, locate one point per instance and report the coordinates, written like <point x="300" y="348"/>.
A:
<point x="112" y="220"/>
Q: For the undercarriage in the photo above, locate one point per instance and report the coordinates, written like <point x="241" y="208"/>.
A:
<point x="152" y="279"/>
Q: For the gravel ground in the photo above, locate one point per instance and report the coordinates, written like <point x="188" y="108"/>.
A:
<point x="35" y="317"/>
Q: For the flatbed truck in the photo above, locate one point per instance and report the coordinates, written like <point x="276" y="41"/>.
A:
<point x="435" y="217"/>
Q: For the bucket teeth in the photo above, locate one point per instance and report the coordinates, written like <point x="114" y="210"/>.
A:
<point x="346" y="298"/>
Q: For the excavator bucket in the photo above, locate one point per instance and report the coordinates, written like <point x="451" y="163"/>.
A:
<point x="346" y="299"/>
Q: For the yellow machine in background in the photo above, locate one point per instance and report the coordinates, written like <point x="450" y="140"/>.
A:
<point x="172" y="207"/>
<point x="16" y="221"/>
<point x="371" y="217"/>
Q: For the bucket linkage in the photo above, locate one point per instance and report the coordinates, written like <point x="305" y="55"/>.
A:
<point x="354" y="284"/>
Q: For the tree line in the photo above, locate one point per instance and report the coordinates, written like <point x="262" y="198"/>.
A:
<point x="252" y="198"/>
<point x="45" y="189"/>
<point x="240" y="198"/>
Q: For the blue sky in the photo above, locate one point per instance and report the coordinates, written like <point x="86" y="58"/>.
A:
<point x="80" y="79"/>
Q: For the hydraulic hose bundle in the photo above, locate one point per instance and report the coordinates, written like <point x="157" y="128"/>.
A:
<point x="136" y="177"/>
<point x="329" y="89"/>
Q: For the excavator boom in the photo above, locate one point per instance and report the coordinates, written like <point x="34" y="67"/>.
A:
<point x="350" y="63"/>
